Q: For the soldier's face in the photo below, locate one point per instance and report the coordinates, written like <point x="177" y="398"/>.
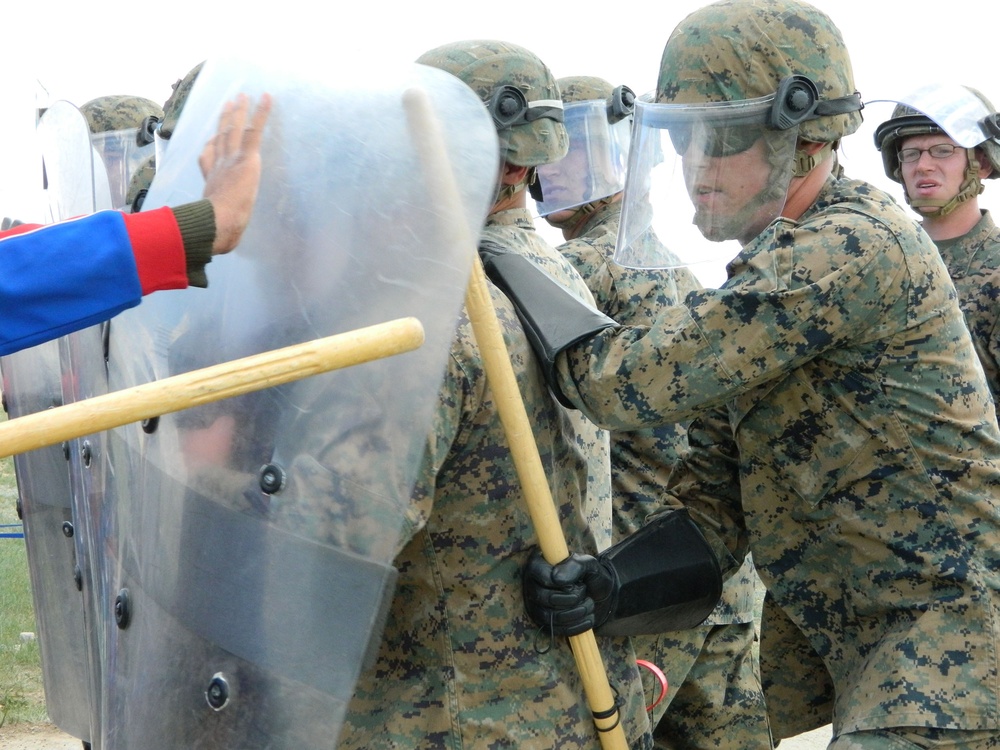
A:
<point x="726" y="190"/>
<point x="930" y="177"/>
<point x="566" y="181"/>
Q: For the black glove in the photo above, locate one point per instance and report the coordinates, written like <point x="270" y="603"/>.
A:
<point x="571" y="597"/>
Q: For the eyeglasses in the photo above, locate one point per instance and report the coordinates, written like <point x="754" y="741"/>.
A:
<point x="715" y="142"/>
<point x="937" y="151"/>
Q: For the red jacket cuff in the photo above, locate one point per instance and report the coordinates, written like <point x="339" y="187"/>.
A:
<point x="158" y="248"/>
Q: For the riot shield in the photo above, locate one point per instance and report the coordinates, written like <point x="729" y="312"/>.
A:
<point x="247" y="545"/>
<point x="75" y="188"/>
<point x="32" y="382"/>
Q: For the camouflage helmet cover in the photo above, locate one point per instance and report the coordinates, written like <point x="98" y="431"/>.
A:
<point x="906" y="121"/>
<point x="173" y="106"/>
<point x="584" y="88"/>
<point x="119" y="112"/>
<point x="139" y="184"/>
<point x="488" y="65"/>
<point x="734" y="50"/>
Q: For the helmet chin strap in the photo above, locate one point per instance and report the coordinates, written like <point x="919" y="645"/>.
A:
<point x="505" y="192"/>
<point x="971" y="187"/>
<point x="804" y="162"/>
<point x="579" y="215"/>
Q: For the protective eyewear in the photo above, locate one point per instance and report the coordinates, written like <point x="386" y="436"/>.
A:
<point x="717" y="141"/>
<point x="937" y="151"/>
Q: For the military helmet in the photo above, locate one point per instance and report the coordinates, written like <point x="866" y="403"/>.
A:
<point x="519" y="91"/>
<point x="907" y="121"/>
<point x="175" y="103"/>
<point x="139" y="184"/>
<point x="122" y="133"/>
<point x="584" y="88"/>
<point x="736" y="50"/>
<point x="620" y="99"/>
<point x="107" y="114"/>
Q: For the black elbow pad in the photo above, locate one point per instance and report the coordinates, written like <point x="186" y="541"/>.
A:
<point x="553" y="317"/>
<point x="668" y="577"/>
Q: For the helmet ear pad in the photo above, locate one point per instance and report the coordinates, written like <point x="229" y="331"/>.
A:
<point x="504" y="75"/>
<point x="794" y="101"/>
<point x="507" y="106"/>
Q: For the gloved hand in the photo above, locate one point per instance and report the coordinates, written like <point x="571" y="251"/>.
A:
<point x="571" y="597"/>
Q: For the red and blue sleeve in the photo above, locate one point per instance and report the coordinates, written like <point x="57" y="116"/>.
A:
<point x="60" y="278"/>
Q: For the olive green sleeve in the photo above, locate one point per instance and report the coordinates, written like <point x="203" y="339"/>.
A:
<point x="196" y="222"/>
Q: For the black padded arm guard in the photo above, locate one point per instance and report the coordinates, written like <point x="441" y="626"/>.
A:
<point x="668" y="577"/>
<point x="553" y="318"/>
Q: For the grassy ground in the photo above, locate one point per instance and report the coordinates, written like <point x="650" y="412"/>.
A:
<point x="21" y="694"/>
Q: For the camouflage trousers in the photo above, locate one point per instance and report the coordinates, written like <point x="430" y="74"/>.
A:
<point x="917" y="738"/>
<point x="715" y="698"/>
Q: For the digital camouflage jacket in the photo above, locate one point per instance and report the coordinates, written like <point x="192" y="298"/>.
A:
<point x="851" y="441"/>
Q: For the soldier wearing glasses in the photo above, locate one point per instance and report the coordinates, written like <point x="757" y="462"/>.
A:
<point x="942" y="180"/>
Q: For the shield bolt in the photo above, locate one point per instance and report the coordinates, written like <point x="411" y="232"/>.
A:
<point x="87" y="453"/>
<point x="149" y="425"/>
<point x="217" y="694"/>
<point x="272" y="478"/>
<point x="67" y="528"/>
<point x="123" y="611"/>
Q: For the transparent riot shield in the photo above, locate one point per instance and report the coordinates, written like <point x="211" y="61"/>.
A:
<point x="33" y="382"/>
<point x="74" y="188"/>
<point x="247" y="546"/>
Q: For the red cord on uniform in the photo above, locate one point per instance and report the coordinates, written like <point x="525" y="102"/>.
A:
<point x="660" y="677"/>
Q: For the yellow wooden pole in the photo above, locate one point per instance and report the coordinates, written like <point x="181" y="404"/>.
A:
<point x="213" y="383"/>
<point x="513" y="415"/>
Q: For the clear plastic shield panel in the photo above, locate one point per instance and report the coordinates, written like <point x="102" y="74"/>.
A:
<point x="82" y="359"/>
<point x="956" y="109"/>
<point x="702" y="182"/>
<point x="32" y="384"/>
<point x="64" y="138"/>
<point x="121" y="155"/>
<point x="594" y="167"/>
<point x="248" y="544"/>
<point x="34" y="381"/>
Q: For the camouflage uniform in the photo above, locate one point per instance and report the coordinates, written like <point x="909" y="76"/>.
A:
<point x="461" y="664"/>
<point x="973" y="261"/>
<point x="973" y="258"/>
<point x="842" y="425"/>
<point x="860" y="438"/>
<point x="711" y="670"/>
<point x="515" y="228"/>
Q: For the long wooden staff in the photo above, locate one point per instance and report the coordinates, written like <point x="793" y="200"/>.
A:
<point x="500" y="374"/>
<point x="209" y="384"/>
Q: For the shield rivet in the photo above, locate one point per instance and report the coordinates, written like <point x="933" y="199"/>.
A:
<point x="123" y="609"/>
<point x="272" y="478"/>
<point x="217" y="693"/>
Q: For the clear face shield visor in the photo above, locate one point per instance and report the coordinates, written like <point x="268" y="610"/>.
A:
<point x="121" y="154"/>
<point x="955" y="109"/>
<point x="595" y="165"/>
<point x="703" y="180"/>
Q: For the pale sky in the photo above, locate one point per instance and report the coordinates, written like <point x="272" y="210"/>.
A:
<point x="75" y="51"/>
